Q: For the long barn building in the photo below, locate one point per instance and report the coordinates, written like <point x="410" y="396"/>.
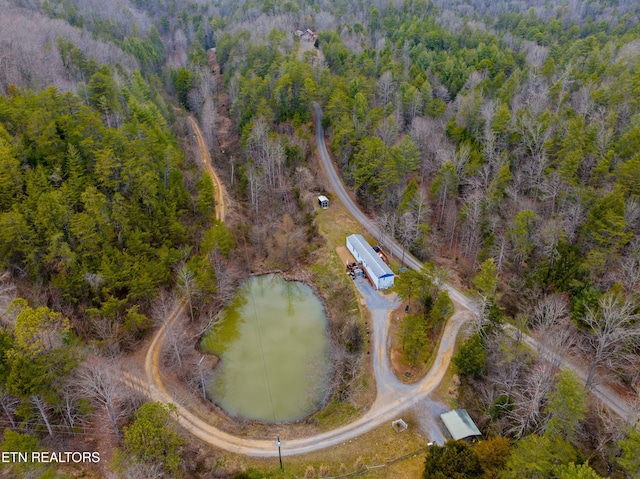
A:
<point x="380" y="274"/>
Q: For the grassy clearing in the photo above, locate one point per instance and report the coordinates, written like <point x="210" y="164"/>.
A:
<point x="380" y="444"/>
<point x="335" y="414"/>
<point x="335" y="224"/>
<point x="371" y="449"/>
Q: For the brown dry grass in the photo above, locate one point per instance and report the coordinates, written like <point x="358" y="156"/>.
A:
<point x="327" y="268"/>
<point x="376" y="447"/>
<point x="344" y="255"/>
<point x="335" y="224"/>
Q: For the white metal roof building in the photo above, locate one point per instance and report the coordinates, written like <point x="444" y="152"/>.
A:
<point x="323" y="201"/>
<point x="460" y="425"/>
<point x="380" y="274"/>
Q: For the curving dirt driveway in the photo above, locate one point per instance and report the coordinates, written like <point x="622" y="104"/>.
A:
<point x="205" y="159"/>
<point x="607" y="395"/>
<point x="392" y="398"/>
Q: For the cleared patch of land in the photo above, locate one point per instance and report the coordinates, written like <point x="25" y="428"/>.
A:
<point x="373" y="449"/>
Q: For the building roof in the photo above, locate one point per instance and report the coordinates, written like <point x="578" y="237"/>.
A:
<point x="459" y="424"/>
<point x="323" y="198"/>
<point x="374" y="263"/>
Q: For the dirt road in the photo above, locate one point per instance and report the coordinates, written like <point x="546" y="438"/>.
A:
<point x="607" y="395"/>
<point x="366" y="222"/>
<point x="392" y="398"/>
<point x="205" y="160"/>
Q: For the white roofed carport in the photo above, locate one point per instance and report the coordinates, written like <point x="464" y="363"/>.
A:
<point x="459" y="424"/>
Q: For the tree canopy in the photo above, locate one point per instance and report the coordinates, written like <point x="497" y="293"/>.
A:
<point x="152" y="436"/>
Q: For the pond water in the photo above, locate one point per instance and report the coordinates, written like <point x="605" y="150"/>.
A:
<point x="274" y="352"/>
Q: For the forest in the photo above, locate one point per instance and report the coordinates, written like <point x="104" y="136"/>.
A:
<point x="498" y="142"/>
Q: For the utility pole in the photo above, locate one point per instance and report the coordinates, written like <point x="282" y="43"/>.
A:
<point x="280" y="453"/>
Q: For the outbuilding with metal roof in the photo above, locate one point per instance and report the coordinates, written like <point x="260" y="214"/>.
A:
<point x="460" y="425"/>
<point x="378" y="271"/>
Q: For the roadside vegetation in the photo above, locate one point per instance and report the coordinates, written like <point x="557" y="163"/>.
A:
<point x="427" y="309"/>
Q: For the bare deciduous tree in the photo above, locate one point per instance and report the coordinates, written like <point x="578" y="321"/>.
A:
<point x="175" y="338"/>
<point x="187" y="283"/>
<point x="632" y="213"/>
<point x="386" y="223"/>
<point x="27" y="57"/>
<point x="70" y="407"/>
<point x="256" y="186"/>
<point x="550" y="319"/>
<point x="140" y="470"/>
<point x="529" y="400"/>
<point x="44" y="409"/>
<point x="9" y="405"/>
<point x="548" y="312"/>
<point x="472" y="215"/>
<point x="407" y="232"/>
<point x="104" y="385"/>
<point x="610" y="429"/>
<point x="435" y="147"/>
<point x="347" y="385"/>
<point x="613" y="331"/>
<point x="386" y="89"/>
<point x="536" y="54"/>
<point x="387" y="130"/>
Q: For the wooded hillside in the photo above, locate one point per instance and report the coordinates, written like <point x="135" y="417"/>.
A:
<point x="498" y="139"/>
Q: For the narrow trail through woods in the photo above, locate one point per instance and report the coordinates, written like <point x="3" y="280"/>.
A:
<point x="205" y="159"/>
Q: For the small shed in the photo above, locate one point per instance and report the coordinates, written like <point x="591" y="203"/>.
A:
<point x="460" y="425"/>
<point x="323" y="201"/>
<point x="377" y="270"/>
<point x="399" y="425"/>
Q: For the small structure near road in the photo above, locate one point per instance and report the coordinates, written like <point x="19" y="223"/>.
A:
<point x="399" y="425"/>
<point x="306" y="35"/>
<point x="323" y="201"/>
<point x="460" y="425"/>
<point x="377" y="271"/>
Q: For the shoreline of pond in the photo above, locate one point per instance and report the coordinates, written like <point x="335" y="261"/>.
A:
<point x="307" y="386"/>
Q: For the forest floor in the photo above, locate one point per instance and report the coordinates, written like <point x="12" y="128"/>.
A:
<point x="392" y="397"/>
<point x="610" y="397"/>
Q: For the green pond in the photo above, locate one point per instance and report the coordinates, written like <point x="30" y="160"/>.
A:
<point x="274" y="352"/>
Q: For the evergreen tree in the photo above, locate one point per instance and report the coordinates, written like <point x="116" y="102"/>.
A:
<point x="454" y="460"/>
<point x="470" y="359"/>
<point x="153" y="437"/>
